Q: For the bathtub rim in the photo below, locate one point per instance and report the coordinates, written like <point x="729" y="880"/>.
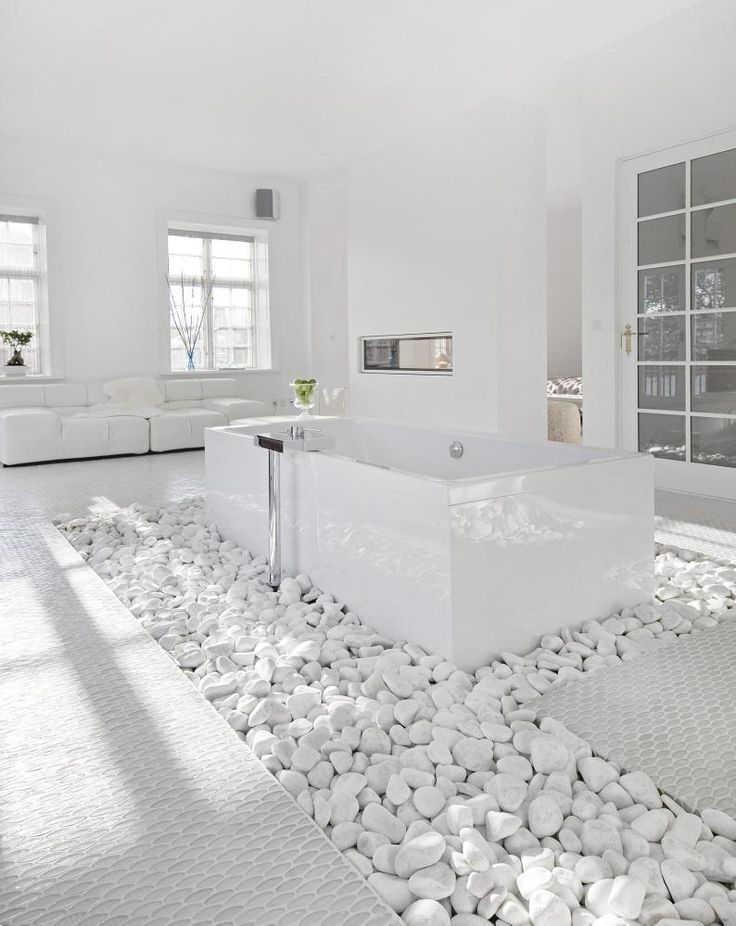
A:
<point x="462" y="489"/>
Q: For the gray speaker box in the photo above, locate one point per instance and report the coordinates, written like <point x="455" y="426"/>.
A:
<point x="267" y="204"/>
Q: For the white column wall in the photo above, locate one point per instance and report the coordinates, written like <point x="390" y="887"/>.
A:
<point x="446" y="231"/>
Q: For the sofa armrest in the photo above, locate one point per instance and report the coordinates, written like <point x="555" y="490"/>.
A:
<point x="28" y="435"/>
<point x="237" y="408"/>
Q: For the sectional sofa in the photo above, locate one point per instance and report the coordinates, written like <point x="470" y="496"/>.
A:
<point x="67" y="421"/>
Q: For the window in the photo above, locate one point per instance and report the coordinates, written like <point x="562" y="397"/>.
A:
<point x="21" y="284"/>
<point x="218" y="300"/>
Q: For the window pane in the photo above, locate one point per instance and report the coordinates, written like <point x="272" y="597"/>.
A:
<point x="662" y="290"/>
<point x="662" y="190"/>
<point x="662" y="436"/>
<point x="225" y="247"/>
<point x="714" y="336"/>
<point x="713" y="441"/>
<point x="233" y="326"/>
<point x="187" y="326"/>
<point x="20" y="232"/>
<point x="714" y="389"/>
<point x="662" y="387"/>
<point x="662" y="240"/>
<point x="713" y="178"/>
<point x="185" y="244"/>
<point x="226" y="269"/>
<point x="662" y="337"/>
<point x="714" y="285"/>
<point x="18" y="311"/>
<point x="186" y="256"/>
<point x="713" y="231"/>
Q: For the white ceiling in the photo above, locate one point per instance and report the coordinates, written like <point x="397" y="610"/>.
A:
<point x="279" y="87"/>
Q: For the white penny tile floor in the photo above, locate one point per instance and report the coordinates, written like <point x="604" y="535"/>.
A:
<point x="705" y="525"/>
<point x="123" y="797"/>
<point x="671" y="713"/>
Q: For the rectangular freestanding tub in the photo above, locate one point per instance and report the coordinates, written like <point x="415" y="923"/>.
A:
<point x="467" y="557"/>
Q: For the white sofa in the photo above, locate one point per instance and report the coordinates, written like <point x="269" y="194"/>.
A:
<point x="55" y="421"/>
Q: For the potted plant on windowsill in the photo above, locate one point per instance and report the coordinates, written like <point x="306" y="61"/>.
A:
<point x="16" y="366"/>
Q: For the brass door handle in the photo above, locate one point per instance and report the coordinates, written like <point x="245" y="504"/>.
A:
<point x="626" y="335"/>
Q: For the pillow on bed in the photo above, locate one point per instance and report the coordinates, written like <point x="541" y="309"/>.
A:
<point x="135" y="391"/>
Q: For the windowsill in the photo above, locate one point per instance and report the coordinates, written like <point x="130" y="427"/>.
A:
<point x="221" y="372"/>
<point x="35" y="377"/>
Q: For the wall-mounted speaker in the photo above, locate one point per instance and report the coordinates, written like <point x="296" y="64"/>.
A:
<point x="267" y="204"/>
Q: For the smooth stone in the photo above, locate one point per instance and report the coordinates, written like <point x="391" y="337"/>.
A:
<point x="653" y="824"/>
<point x="548" y="755"/>
<point x="420" y="852"/>
<point x="434" y="882"/>
<point x="345" y="835"/>
<point x="426" y="913"/>
<point x="499" y="825"/>
<point x="472" y="754"/>
<point x="459" y="816"/>
<point x="642" y="789"/>
<point x="626" y="896"/>
<point x="395" y="891"/>
<point x="596" y="772"/>
<point x="378" y="819"/>
<point x="597" y="836"/>
<point x="719" y="822"/>
<point x="509" y="791"/>
<point x="547" y="909"/>
<point x="293" y="781"/>
<point x="545" y="816"/>
<point x="344" y="808"/>
<point x="680" y="882"/>
<point x="384" y="858"/>
<point x="429" y="801"/>
<point x="648" y="871"/>
<point x="397" y="790"/>
<point x="687" y="827"/>
<point x="592" y="868"/>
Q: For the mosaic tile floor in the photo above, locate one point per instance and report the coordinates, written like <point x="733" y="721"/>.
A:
<point x="670" y="713"/>
<point x="123" y="799"/>
<point x="705" y="525"/>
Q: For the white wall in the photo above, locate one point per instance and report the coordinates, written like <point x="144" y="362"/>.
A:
<point x="324" y="228"/>
<point x="564" y="292"/>
<point x="107" y="295"/>
<point x="672" y="83"/>
<point x="446" y="231"/>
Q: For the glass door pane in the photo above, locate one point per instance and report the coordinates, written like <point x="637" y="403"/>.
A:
<point x="686" y="324"/>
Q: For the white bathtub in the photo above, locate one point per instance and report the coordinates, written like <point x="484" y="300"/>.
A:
<point x="467" y="557"/>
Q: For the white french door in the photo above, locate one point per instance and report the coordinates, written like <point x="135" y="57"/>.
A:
<point x="677" y="289"/>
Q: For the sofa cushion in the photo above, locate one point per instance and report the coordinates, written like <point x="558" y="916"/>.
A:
<point x="237" y="408"/>
<point x="218" y="388"/>
<point x="176" y="390"/>
<point x="64" y="394"/>
<point x="21" y="396"/>
<point x="95" y="393"/>
<point x="182" y="403"/>
<point x="32" y="435"/>
<point x="134" y="391"/>
<point x="183" y="428"/>
<point x="28" y="435"/>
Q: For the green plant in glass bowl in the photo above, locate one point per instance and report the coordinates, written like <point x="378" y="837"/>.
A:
<point x="304" y="394"/>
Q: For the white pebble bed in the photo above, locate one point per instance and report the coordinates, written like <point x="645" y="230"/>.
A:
<point x="441" y="787"/>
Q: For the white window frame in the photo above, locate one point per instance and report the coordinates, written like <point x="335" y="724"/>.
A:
<point x="262" y="343"/>
<point x="39" y="275"/>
